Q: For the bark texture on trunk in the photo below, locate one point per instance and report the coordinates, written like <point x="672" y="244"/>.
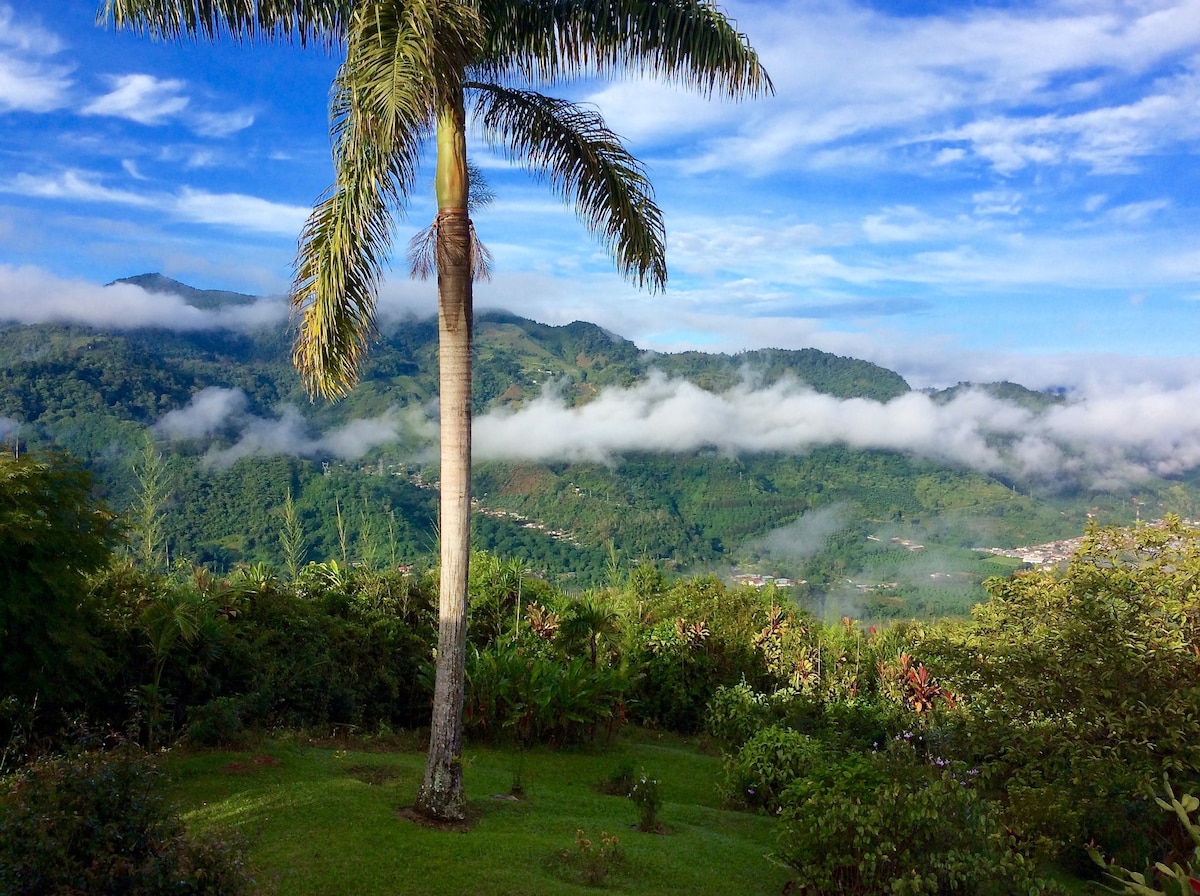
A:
<point x="441" y="794"/>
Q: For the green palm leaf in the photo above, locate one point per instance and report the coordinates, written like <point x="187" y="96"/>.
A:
<point x="571" y="148"/>
<point x="687" y="41"/>
<point x="303" y="21"/>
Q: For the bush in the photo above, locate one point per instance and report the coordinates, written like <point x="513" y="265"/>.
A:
<point x="95" y="823"/>
<point x="735" y="713"/>
<point x="513" y="691"/>
<point x="919" y="832"/>
<point x="1080" y="686"/>
<point x="767" y="764"/>
<point x="647" y="797"/>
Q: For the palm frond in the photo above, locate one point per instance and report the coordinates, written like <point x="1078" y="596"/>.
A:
<point x="570" y="147"/>
<point x="689" y="41"/>
<point x="382" y="108"/>
<point x="302" y="21"/>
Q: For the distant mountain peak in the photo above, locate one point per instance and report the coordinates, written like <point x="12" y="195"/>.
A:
<point x="197" y="298"/>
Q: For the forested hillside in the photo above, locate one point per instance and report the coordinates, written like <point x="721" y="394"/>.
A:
<point x="871" y="531"/>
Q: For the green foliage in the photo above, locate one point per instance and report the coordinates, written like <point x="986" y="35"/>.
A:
<point x="1081" y="687"/>
<point x="153" y="490"/>
<point x="213" y="657"/>
<point x="646" y="796"/>
<point x="766" y="765"/>
<point x="53" y="533"/>
<point x="917" y="833"/>
<point x="1175" y="879"/>
<point x="735" y="713"/>
<point x="692" y="638"/>
<point x="96" y="823"/>
<point x="526" y="692"/>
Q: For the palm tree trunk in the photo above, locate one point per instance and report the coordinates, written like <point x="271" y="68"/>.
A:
<point x="441" y="794"/>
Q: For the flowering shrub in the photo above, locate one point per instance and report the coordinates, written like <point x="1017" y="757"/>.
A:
<point x="596" y="860"/>
<point x="647" y="796"/>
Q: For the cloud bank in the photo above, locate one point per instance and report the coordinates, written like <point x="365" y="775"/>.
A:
<point x="221" y="414"/>
<point x="1100" y="440"/>
<point x="29" y="295"/>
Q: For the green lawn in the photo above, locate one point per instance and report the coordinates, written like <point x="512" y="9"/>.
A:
<point x="322" y="820"/>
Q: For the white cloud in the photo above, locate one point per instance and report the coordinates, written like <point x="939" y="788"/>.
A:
<point x="858" y="83"/>
<point x="901" y="224"/>
<point x="8" y="427"/>
<point x="73" y="184"/>
<point x="200" y="206"/>
<point x="32" y="87"/>
<point x="28" y="83"/>
<point x="237" y="210"/>
<point x="1100" y="440"/>
<point x="222" y="124"/>
<point x="209" y="411"/>
<point x="144" y="99"/>
<point x="30" y="295"/>
<point x="25" y="36"/>
<point x="217" y="411"/>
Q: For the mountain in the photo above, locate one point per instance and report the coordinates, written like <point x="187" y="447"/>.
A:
<point x="205" y="299"/>
<point x="874" y="532"/>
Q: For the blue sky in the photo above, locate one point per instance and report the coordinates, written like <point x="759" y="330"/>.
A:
<point x="960" y="191"/>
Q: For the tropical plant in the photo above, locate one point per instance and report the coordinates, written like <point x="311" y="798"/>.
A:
<point x="411" y="71"/>
<point x="1175" y="879"/>
<point x="52" y="535"/>
<point x="153" y="489"/>
<point x="589" y="623"/>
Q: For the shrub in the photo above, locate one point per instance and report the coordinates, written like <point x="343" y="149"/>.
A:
<point x="217" y="723"/>
<point x="95" y="823"/>
<point x="619" y="781"/>
<point x="1079" y="686"/>
<point x="917" y="833"/>
<point x="767" y="764"/>
<point x="596" y="860"/>
<point x="647" y="797"/>
<point x="735" y="713"/>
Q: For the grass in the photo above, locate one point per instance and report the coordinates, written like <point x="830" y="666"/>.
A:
<point x="323" y="820"/>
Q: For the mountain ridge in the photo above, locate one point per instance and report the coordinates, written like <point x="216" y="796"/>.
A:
<point x="825" y="513"/>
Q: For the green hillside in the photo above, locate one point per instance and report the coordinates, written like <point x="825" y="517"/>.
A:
<point x="843" y="519"/>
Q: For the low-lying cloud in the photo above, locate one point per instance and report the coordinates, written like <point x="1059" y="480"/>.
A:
<point x="804" y="538"/>
<point x="1099" y="440"/>
<point x="30" y="295"/>
<point x="8" y="427"/>
<point x="221" y="415"/>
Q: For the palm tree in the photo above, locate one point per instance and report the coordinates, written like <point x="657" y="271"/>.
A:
<point x="590" y="621"/>
<point x="412" y="71"/>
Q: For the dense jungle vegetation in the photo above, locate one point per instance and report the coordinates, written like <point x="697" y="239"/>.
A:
<point x="986" y="755"/>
